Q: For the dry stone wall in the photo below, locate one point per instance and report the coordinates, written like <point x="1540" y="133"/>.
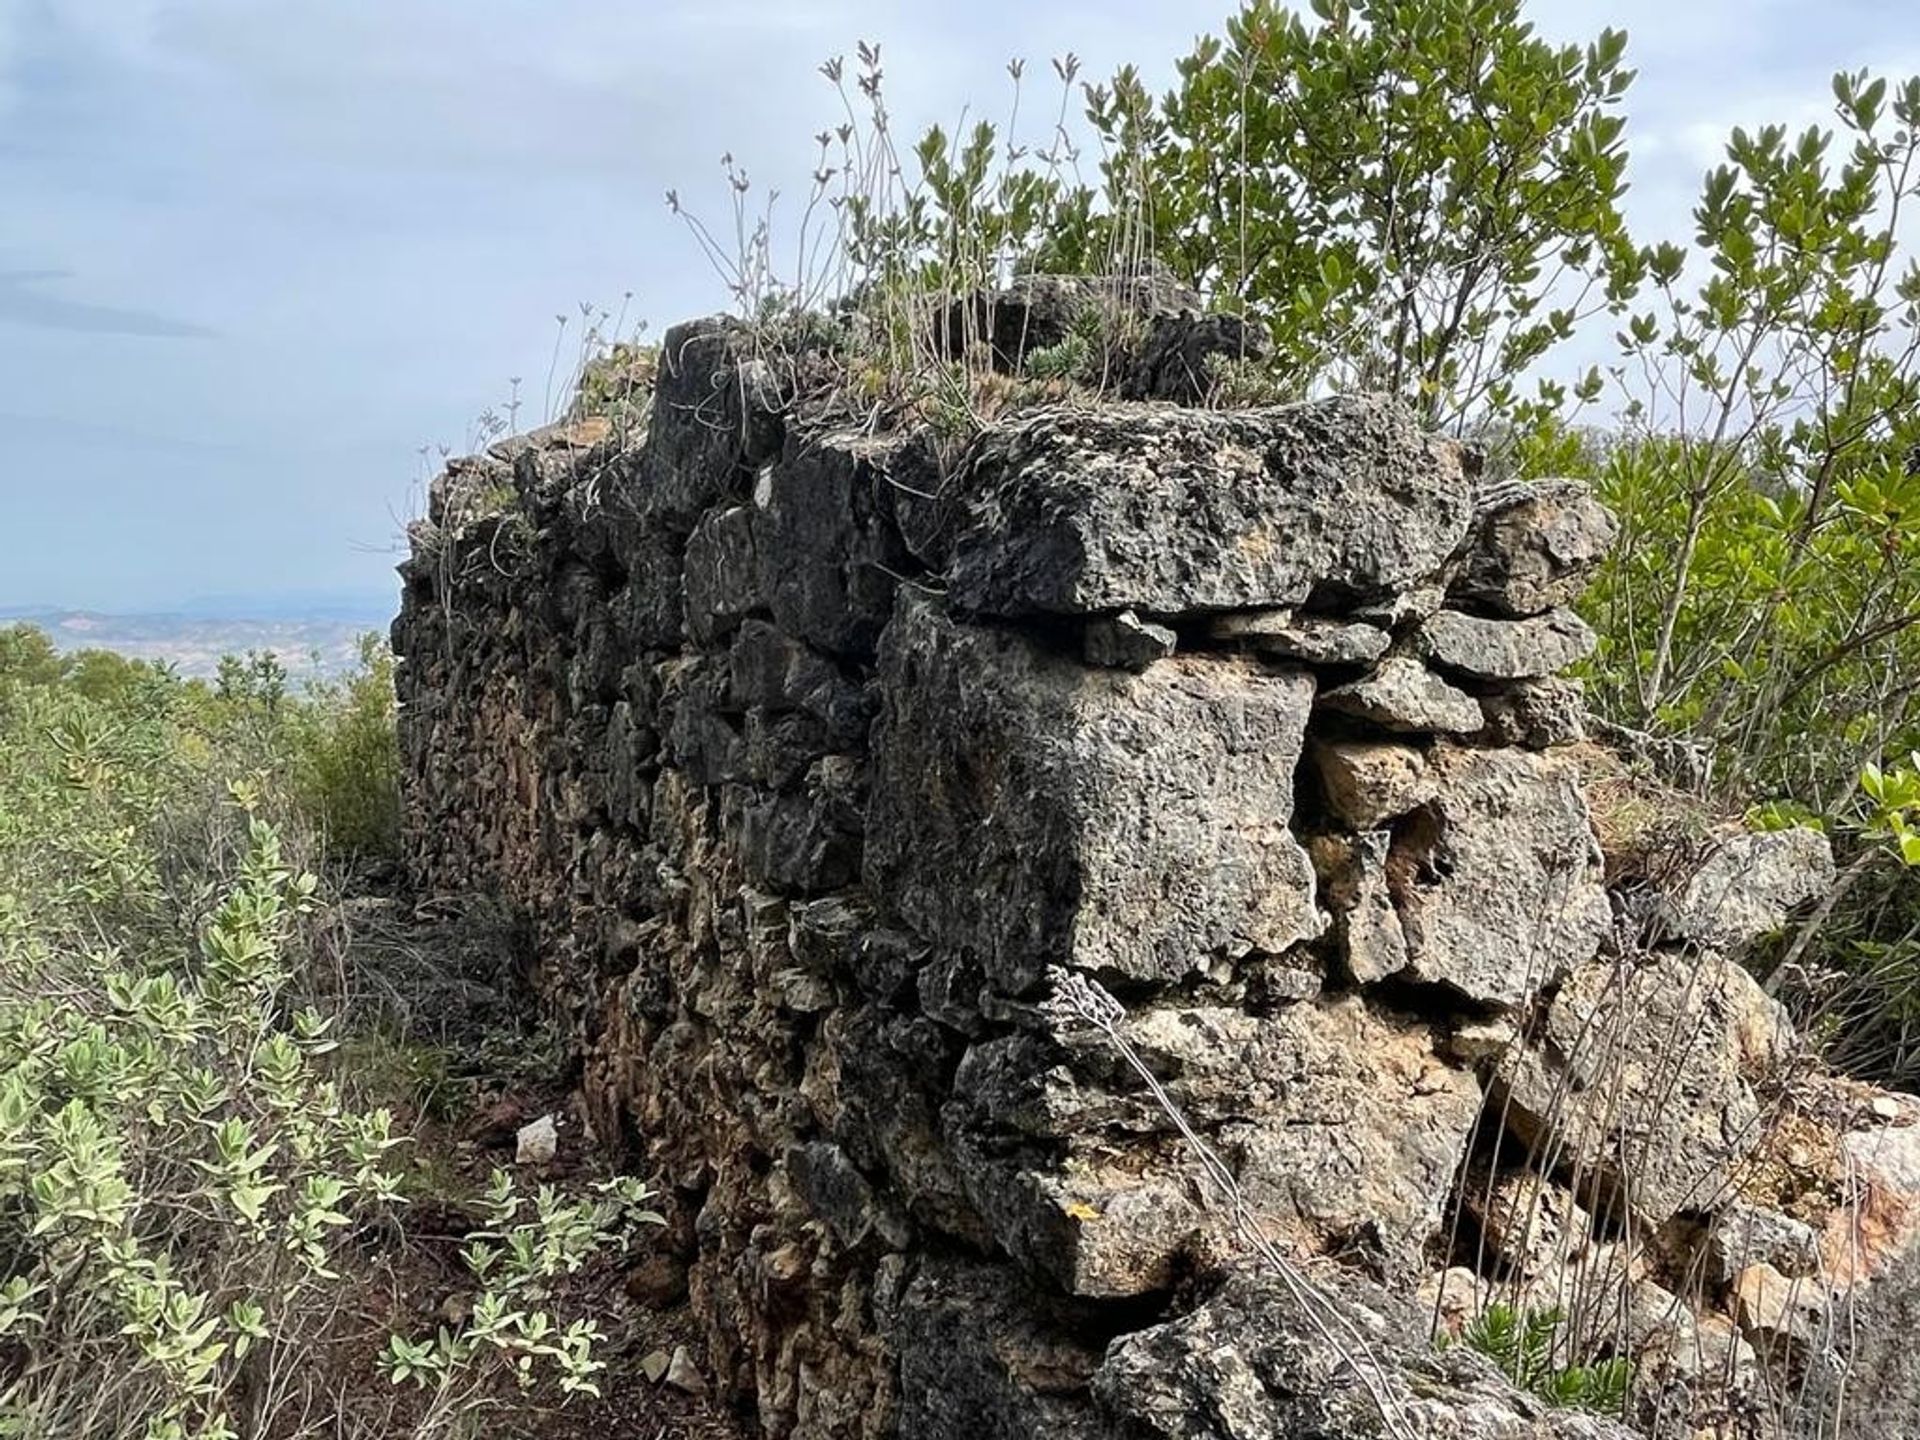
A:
<point x="814" y="763"/>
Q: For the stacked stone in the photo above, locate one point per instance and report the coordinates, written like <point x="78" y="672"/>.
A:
<point x="814" y="768"/>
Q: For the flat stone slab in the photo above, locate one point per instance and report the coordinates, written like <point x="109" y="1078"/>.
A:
<point x="1175" y="512"/>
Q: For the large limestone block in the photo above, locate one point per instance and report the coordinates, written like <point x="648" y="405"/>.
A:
<point x="1640" y="1085"/>
<point x="1177" y="511"/>
<point x="1498" y="878"/>
<point x="1341" y="1124"/>
<point x="1029" y="811"/>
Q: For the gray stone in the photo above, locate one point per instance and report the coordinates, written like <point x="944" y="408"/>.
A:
<point x="1033" y="812"/>
<point x="718" y="415"/>
<point x="1340" y="1123"/>
<point x="1036" y="312"/>
<point x="1745" y="1234"/>
<point x="829" y="554"/>
<point x="1537" y="714"/>
<point x="1253" y="1363"/>
<point x="1177" y="511"/>
<point x="1534" y="548"/>
<point x="1640" y="1084"/>
<point x="1369" y="782"/>
<point x="1485" y="649"/>
<point x="1402" y="695"/>
<point x="1173" y="359"/>
<point x="1126" y="642"/>
<point x="1747" y="885"/>
<point x="1498" y="879"/>
<point x="721" y="575"/>
<point x="1316" y="639"/>
<point x="1353" y="883"/>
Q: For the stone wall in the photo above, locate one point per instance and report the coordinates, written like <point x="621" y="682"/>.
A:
<point x="815" y="758"/>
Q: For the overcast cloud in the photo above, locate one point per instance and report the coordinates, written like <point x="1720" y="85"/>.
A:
<point x="255" y="254"/>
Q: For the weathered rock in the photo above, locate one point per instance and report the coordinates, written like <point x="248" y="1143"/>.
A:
<point x="828" y="552"/>
<point x="1779" y="1314"/>
<point x="721" y="575"/>
<point x="1498" y="879"/>
<point x="1744" y="1234"/>
<point x="1639" y="1084"/>
<point x="1341" y="1125"/>
<point x="1369" y="782"/>
<point x="536" y="1143"/>
<point x="1353" y="883"/>
<point x="1037" y="312"/>
<point x="1252" y="1364"/>
<point x="1126" y="642"/>
<point x="1747" y="885"/>
<point x="1316" y="639"/>
<point x="1404" y="696"/>
<point x="1454" y="1297"/>
<point x="1529" y="1224"/>
<point x="1173" y="360"/>
<point x="1534" y="548"/>
<point x="984" y="1358"/>
<point x="1485" y="649"/>
<point x="1181" y="511"/>
<point x="1538" y="714"/>
<point x="718" y="415"/>
<point x="1033" y="812"/>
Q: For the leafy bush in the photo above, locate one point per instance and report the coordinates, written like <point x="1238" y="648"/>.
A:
<point x="194" y="1207"/>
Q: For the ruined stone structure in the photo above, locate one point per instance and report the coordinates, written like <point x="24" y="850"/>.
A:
<point x="816" y="761"/>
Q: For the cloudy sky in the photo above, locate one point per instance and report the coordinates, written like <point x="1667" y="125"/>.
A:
<point x="256" y="254"/>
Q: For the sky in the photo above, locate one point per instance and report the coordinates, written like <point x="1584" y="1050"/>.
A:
<point x="260" y="260"/>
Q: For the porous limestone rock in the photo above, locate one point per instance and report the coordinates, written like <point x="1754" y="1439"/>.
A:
<point x="1538" y="714"/>
<point x="1253" y="1363"/>
<point x="1746" y="886"/>
<point x="1640" y="1085"/>
<point x="1182" y="511"/>
<point x="1744" y="1234"/>
<point x="1404" y="696"/>
<point x="1032" y="812"/>
<point x="1530" y="1226"/>
<point x="1498" y="878"/>
<point x="1126" y="642"/>
<point x="1490" y="649"/>
<point x="1533" y="548"/>
<point x="1340" y="1123"/>
<point x="1316" y="639"/>
<point x="1369" y="782"/>
<point x="1353" y="884"/>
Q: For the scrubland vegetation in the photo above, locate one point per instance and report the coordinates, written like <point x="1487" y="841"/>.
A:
<point x="205" y="1214"/>
<point x="206" y="1218"/>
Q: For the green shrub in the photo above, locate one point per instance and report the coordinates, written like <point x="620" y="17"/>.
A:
<point x="346" y="760"/>
<point x="1526" y="1346"/>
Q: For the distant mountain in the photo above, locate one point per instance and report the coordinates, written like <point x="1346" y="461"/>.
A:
<point x="307" y="644"/>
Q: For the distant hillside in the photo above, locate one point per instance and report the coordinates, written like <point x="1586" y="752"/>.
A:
<point x="194" y="643"/>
